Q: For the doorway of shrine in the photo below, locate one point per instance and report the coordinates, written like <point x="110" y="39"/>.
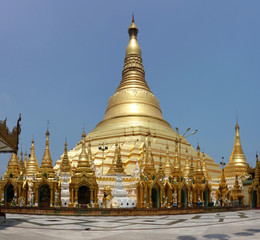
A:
<point x="84" y="195"/>
<point x="206" y="198"/>
<point x="183" y="197"/>
<point x="254" y="199"/>
<point x="44" y="196"/>
<point x="155" y="197"/>
<point x="9" y="194"/>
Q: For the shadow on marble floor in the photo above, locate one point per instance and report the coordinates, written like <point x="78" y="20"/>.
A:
<point x="10" y="223"/>
<point x="217" y="236"/>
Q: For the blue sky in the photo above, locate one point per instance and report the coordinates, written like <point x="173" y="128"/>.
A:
<point x="62" y="60"/>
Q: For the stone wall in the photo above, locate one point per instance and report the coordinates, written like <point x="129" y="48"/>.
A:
<point x="118" y="212"/>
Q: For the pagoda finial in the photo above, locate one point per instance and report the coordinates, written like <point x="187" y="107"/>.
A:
<point x="32" y="165"/>
<point x="47" y="132"/>
<point x="46" y="164"/>
<point x="65" y="163"/>
<point x="133" y="17"/>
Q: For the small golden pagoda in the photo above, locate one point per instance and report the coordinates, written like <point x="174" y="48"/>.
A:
<point x="13" y="168"/>
<point x="254" y="189"/>
<point x="237" y="164"/>
<point x="236" y="194"/>
<point x="119" y="165"/>
<point x="46" y="168"/>
<point x="32" y="165"/>
<point x="223" y="193"/>
<point x="176" y="179"/>
<point x="202" y="188"/>
<point x="150" y="187"/>
<point x="11" y="185"/>
<point x="83" y="186"/>
<point x="46" y="187"/>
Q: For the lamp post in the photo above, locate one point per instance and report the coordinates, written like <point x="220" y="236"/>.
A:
<point x="103" y="148"/>
<point x="179" y="139"/>
<point x="221" y="187"/>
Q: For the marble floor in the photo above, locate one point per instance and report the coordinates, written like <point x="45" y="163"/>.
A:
<point x="224" y="225"/>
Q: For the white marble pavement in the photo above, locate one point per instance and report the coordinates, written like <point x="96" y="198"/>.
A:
<point x="224" y="225"/>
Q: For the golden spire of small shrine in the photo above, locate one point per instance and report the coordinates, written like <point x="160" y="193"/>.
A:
<point x="199" y="175"/>
<point x="119" y="164"/>
<point x="65" y="166"/>
<point x="32" y="165"/>
<point x="160" y="169"/>
<point x="167" y="165"/>
<point x="46" y="164"/>
<point x="25" y="159"/>
<point x="13" y="168"/>
<point x="199" y="165"/>
<point x="149" y="162"/>
<point x="22" y="166"/>
<point x="257" y="171"/>
<point x="112" y="169"/>
<point x="204" y="167"/>
<point x="237" y="164"/>
<point x="176" y="170"/>
<point x="83" y="164"/>
<point x="186" y="169"/>
<point x="90" y="159"/>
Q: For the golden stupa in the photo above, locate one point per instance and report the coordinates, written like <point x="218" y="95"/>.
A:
<point x="237" y="164"/>
<point x="131" y="113"/>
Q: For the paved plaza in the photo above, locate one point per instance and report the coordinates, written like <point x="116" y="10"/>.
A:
<point x="224" y="225"/>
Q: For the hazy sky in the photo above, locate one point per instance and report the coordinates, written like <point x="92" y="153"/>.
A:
<point x="62" y="60"/>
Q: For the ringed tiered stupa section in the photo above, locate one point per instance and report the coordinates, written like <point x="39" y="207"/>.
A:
<point x="132" y="111"/>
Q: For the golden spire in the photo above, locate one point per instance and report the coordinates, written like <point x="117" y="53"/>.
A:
<point x="223" y="184"/>
<point x="237" y="164"/>
<point x="204" y="167"/>
<point x="149" y="162"/>
<point x="257" y="171"/>
<point x="167" y="166"/>
<point x="236" y="191"/>
<point x="90" y="159"/>
<point x="133" y="97"/>
<point x="46" y="165"/>
<point x="143" y="157"/>
<point x="112" y="169"/>
<point x="83" y="164"/>
<point x="119" y="165"/>
<point x="160" y="170"/>
<point x="32" y="165"/>
<point x="13" y="168"/>
<point x="191" y="173"/>
<point x="25" y="159"/>
<point x="198" y="166"/>
<point x="176" y="170"/>
<point x="65" y="166"/>
<point x="22" y="166"/>
<point x="186" y="169"/>
<point x="199" y="175"/>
